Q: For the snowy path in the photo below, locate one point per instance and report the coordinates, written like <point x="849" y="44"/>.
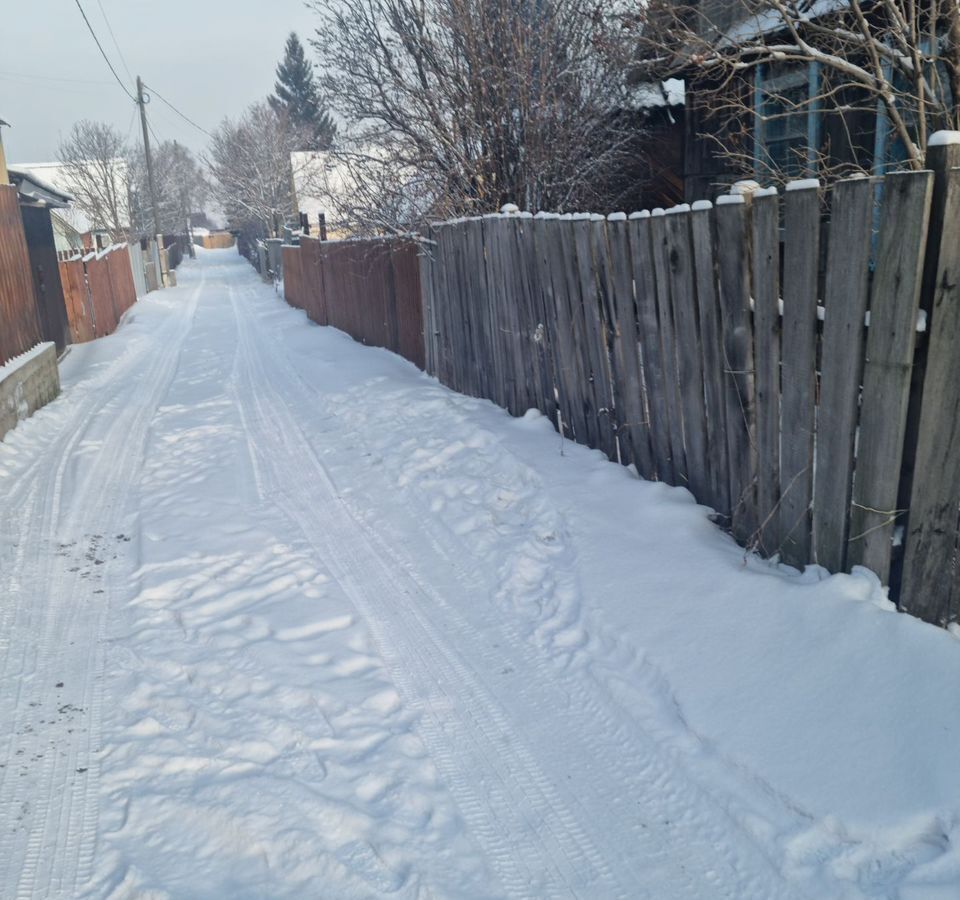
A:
<point x="280" y="616"/>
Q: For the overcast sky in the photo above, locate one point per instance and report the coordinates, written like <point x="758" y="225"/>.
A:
<point x="210" y="58"/>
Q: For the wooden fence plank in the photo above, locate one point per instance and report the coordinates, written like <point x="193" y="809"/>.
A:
<point x="845" y="302"/>
<point x="929" y="583"/>
<point x="766" y="329"/>
<point x="644" y="276"/>
<point x="428" y="297"/>
<point x="562" y="259"/>
<point x="527" y="311"/>
<point x="701" y="226"/>
<point x="632" y="426"/>
<point x="891" y="339"/>
<point x="668" y="344"/>
<point x="541" y="298"/>
<point x="683" y="303"/>
<point x="801" y="260"/>
<point x="733" y="253"/>
<point x="602" y="311"/>
<point x="545" y="234"/>
<point x="592" y="347"/>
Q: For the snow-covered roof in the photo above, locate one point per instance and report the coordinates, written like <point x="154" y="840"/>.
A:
<point x="56" y="176"/>
<point x="37" y="190"/>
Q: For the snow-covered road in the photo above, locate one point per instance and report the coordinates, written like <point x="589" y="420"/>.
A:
<point x="282" y="617"/>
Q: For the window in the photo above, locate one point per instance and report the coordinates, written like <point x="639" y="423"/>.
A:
<point x="787" y="120"/>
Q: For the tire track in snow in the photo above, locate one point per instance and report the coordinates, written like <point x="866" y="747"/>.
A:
<point x="599" y="720"/>
<point x="533" y="840"/>
<point x="55" y="596"/>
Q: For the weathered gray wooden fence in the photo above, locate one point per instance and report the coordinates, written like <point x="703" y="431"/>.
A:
<point x="724" y="349"/>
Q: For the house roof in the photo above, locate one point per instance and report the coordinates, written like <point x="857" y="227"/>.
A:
<point x="57" y="175"/>
<point x="36" y="191"/>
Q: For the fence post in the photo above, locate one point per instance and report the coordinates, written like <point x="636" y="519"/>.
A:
<point x="891" y="338"/>
<point x="929" y="581"/>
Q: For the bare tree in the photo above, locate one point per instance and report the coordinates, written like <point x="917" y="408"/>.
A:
<point x="462" y="105"/>
<point x="95" y="155"/>
<point x="182" y="189"/>
<point x="250" y="162"/>
<point x="897" y="61"/>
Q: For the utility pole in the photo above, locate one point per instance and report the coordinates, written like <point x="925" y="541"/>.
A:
<point x="146" y="151"/>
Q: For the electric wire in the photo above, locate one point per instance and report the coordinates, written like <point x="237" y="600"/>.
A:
<point x="113" y="37"/>
<point x="106" y="58"/>
<point x="185" y="118"/>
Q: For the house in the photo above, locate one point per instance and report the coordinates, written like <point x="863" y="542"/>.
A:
<point x="779" y="119"/>
<point x="76" y="219"/>
<point x="322" y="185"/>
<point x="37" y="201"/>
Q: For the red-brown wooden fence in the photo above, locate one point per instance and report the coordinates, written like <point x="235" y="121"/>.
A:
<point x="19" y="323"/>
<point x="368" y="288"/>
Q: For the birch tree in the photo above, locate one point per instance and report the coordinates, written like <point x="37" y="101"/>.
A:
<point x="249" y="160"/>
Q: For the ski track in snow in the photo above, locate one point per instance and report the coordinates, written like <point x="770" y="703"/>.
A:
<point x="265" y="635"/>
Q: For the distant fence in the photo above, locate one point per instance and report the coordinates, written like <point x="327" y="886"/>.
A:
<point x="98" y="289"/>
<point x="19" y="322"/>
<point x="219" y="240"/>
<point x="368" y="288"/>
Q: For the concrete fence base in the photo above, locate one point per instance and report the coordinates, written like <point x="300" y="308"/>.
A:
<point x="27" y="383"/>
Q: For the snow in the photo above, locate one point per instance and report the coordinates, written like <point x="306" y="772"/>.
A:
<point x="654" y="95"/>
<point x="287" y="618"/>
<point x="943" y="138"/>
<point x="617" y="217"/>
<point x="803" y="184"/>
<point x="701" y="205"/>
<point x="729" y="199"/>
<point x="18" y="362"/>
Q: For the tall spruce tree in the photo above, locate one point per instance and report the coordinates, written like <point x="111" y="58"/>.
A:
<point x="295" y="93"/>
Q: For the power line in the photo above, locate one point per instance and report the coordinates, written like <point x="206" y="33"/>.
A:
<point x="29" y="76"/>
<point x="126" y="68"/>
<point x="185" y="118"/>
<point x="103" y="54"/>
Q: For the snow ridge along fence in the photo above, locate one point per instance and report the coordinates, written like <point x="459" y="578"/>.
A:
<point x="19" y="321"/>
<point x="97" y="289"/>
<point x="368" y="288"/>
<point x="715" y="350"/>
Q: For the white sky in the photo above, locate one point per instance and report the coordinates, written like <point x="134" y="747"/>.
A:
<point x="210" y="58"/>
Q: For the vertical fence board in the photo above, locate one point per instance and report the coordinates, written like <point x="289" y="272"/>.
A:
<point x="704" y="268"/>
<point x="528" y="320"/>
<point x="689" y="357"/>
<point x="546" y="313"/>
<point x="427" y="268"/>
<point x="928" y="587"/>
<point x="594" y="344"/>
<point x="733" y="254"/>
<point x="845" y="303"/>
<point x="766" y="329"/>
<point x="602" y="309"/>
<point x="632" y="428"/>
<point x="668" y="344"/>
<point x="891" y="339"/>
<point x="566" y="297"/>
<point x="644" y="275"/>
<point x="801" y="260"/>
